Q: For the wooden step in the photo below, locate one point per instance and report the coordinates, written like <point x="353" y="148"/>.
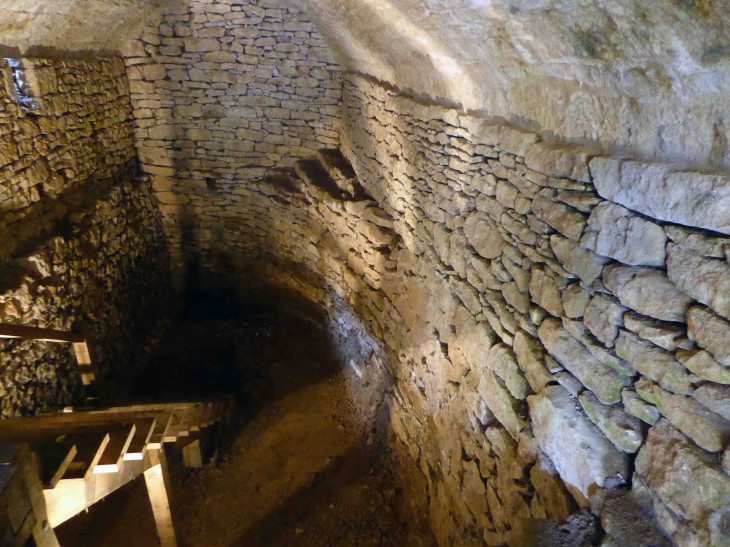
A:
<point x="89" y="449"/>
<point x="144" y="429"/>
<point x="120" y="437"/>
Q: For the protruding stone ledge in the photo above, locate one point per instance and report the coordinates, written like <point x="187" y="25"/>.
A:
<point x="661" y="191"/>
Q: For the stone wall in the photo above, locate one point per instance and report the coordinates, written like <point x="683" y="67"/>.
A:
<point x="549" y="349"/>
<point x="82" y="245"/>
<point x="615" y="322"/>
<point x="223" y="92"/>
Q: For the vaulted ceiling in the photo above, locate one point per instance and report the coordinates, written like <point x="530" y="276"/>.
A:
<point x="650" y="77"/>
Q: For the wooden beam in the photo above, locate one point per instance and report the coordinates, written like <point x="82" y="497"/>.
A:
<point x="158" y="488"/>
<point x="71" y="496"/>
<point x="192" y="456"/>
<point x="36" y="333"/>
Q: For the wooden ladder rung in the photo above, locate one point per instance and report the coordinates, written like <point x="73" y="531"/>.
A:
<point x="120" y="437"/>
<point x="144" y="429"/>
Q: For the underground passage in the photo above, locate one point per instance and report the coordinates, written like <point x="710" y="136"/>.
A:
<point x="364" y="273"/>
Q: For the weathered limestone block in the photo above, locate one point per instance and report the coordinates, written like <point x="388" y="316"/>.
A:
<point x="603" y="317"/>
<point x="514" y="297"/>
<point x="625" y="431"/>
<point x="502" y="361"/>
<point x="569" y="382"/>
<point x="474" y="338"/>
<point x="545" y="293"/>
<point x="202" y="44"/>
<point x="693" y="239"/>
<point x="704" y="279"/>
<point x="473" y="489"/>
<point x="560" y="160"/>
<point x="648" y="291"/>
<point x="499" y="305"/>
<point x="686" y="479"/>
<point x="657" y="190"/>
<point x="531" y="357"/>
<point x="603" y="381"/>
<point x="467" y="294"/>
<point x="701" y="363"/>
<point x="714" y="397"/>
<point x="711" y="332"/>
<point x="564" y="219"/>
<point x="708" y="429"/>
<point x="483" y="235"/>
<point x="506" y="194"/>
<point x="515" y="141"/>
<point x="584" y="457"/>
<point x="616" y="232"/>
<point x="573" y="257"/>
<point x="638" y="407"/>
<point x="654" y="362"/>
<point x="501" y="403"/>
<point x="579" y="331"/>
<point x="669" y="336"/>
<point x="628" y="518"/>
<point x="575" y="300"/>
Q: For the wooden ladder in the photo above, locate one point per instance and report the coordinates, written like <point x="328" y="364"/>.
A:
<point x="53" y="466"/>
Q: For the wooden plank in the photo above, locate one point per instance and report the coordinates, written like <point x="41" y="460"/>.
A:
<point x="43" y="533"/>
<point x="72" y="496"/>
<point x="161" y="428"/>
<point x="55" y="460"/>
<point x="89" y="449"/>
<point x="142" y="435"/>
<point x="66" y="421"/>
<point x="113" y="456"/>
<point x="40" y="334"/>
<point x="21" y="538"/>
<point x="158" y="489"/>
<point x="192" y="456"/>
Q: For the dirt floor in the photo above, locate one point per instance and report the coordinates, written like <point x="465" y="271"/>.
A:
<point x="303" y="466"/>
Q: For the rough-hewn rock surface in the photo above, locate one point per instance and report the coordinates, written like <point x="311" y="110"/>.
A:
<point x="543" y="310"/>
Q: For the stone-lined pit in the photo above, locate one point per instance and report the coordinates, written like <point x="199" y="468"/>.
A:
<point x="549" y="323"/>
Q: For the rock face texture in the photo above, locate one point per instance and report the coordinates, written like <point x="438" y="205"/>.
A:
<point x="82" y="245"/>
<point x="648" y="80"/>
<point x="509" y="338"/>
<point x="542" y="312"/>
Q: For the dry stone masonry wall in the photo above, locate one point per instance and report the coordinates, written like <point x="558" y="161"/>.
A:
<point x="581" y="315"/>
<point x="81" y="243"/>
<point x="225" y="91"/>
<point x="550" y="349"/>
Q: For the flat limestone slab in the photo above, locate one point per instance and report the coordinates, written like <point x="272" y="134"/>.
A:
<point x="585" y="459"/>
<point x="658" y="190"/>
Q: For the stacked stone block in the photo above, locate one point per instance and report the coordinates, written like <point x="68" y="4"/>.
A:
<point x="549" y="349"/>
<point x="82" y="245"/>
<point x="592" y="288"/>
<point x="224" y="91"/>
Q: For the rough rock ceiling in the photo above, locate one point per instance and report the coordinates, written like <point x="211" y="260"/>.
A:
<point x="651" y="77"/>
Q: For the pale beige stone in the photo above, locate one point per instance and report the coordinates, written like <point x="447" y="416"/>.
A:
<point x="616" y="232"/>
<point x="585" y="459"/>
<point x="707" y="280"/>
<point x="711" y="332"/>
<point x="708" y="429"/>
<point x="647" y="291"/>
<point x="602" y="380"/>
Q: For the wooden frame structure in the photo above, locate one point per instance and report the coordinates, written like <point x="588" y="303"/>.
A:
<point x="54" y="466"/>
<point x="80" y="345"/>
